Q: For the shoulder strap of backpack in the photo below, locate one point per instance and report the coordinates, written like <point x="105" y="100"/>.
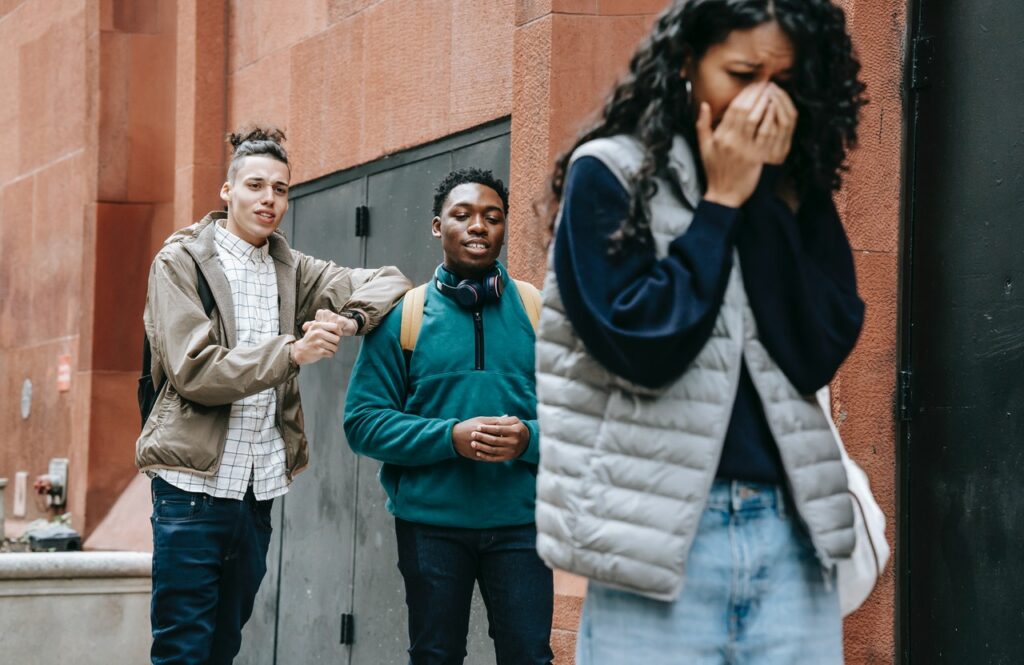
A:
<point x="205" y="295"/>
<point x="147" y="392"/>
<point x="412" y="316"/>
<point x="530" y="296"/>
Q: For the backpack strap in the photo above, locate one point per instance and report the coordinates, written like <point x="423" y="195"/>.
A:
<point x="147" y="392"/>
<point x="530" y="296"/>
<point x="412" y="316"/>
<point x="205" y="295"/>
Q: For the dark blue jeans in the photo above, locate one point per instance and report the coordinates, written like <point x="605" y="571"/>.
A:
<point x="209" y="557"/>
<point x="440" y="566"/>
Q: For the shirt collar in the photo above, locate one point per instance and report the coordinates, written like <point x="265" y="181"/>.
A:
<point x="239" y="248"/>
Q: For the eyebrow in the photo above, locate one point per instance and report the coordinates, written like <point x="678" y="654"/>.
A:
<point x="256" y="178"/>
<point x="756" y="65"/>
<point x="467" y="204"/>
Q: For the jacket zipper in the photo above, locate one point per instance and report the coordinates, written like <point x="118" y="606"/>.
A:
<point x="478" y="326"/>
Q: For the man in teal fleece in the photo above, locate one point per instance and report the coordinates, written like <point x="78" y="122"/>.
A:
<point x="454" y="423"/>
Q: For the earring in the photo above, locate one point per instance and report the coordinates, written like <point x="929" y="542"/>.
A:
<point x="689" y="90"/>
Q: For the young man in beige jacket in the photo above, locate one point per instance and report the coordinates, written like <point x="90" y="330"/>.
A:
<point x="225" y="435"/>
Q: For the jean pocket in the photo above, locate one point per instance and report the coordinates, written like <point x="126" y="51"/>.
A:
<point x="170" y="509"/>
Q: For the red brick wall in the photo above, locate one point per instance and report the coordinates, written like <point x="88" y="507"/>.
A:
<point x="870" y="206"/>
<point x="44" y="234"/>
<point x="88" y="135"/>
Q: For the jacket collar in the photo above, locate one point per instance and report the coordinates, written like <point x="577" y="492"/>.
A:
<point x="199" y="240"/>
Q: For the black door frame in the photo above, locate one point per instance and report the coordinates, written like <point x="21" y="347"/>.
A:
<point x="962" y="250"/>
<point x="903" y="399"/>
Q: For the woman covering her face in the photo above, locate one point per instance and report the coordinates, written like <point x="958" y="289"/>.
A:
<point x="702" y="290"/>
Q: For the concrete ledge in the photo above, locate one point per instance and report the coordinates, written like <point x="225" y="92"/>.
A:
<point x="74" y="565"/>
<point x="90" y="608"/>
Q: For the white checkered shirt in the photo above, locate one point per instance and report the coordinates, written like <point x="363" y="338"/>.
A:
<point x="253" y="449"/>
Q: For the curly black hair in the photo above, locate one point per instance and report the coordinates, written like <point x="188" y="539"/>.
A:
<point x="464" y="177"/>
<point x="652" y="104"/>
<point x="255" y="141"/>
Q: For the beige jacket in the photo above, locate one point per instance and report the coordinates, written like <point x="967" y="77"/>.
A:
<point x="206" y="372"/>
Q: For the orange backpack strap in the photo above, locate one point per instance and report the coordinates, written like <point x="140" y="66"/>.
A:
<point x="531" y="301"/>
<point x="412" y="316"/>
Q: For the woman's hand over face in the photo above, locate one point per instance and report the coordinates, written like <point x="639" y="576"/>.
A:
<point x="756" y="129"/>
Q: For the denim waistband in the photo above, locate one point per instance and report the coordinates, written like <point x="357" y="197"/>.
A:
<point x="738" y="496"/>
<point x="161" y="486"/>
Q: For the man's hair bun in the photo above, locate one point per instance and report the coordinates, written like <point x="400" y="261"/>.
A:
<point x="255" y="134"/>
<point x="255" y="140"/>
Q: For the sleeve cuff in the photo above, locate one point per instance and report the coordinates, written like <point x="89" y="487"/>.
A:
<point x="712" y="223"/>
<point x="293" y="367"/>
<point x="452" y="453"/>
<point x="532" y="452"/>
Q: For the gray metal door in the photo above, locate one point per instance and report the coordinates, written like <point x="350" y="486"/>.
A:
<point x="334" y="550"/>
<point x="962" y="345"/>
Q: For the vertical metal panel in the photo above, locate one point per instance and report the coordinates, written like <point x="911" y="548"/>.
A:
<point x="338" y="552"/>
<point x="490" y="154"/>
<point x="400" y="202"/>
<point x="316" y="571"/>
<point x="259" y="637"/>
<point x="401" y="208"/>
<point x="964" y="336"/>
<point x="402" y="199"/>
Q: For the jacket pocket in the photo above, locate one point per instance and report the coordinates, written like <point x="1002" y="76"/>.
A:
<point x="171" y="402"/>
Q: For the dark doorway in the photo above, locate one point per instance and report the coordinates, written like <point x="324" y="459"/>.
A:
<point x="333" y="593"/>
<point x="962" y="337"/>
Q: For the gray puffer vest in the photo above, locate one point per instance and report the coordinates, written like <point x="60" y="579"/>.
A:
<point x="625" y="470"/>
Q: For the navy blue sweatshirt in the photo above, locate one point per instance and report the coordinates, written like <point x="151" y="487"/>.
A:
<point x="647" y="319"/>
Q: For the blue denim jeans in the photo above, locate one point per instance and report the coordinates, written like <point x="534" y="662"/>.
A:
<point x="754" y="593"/>
<point x="209" y="557"/>
<point x="440" y="565"/>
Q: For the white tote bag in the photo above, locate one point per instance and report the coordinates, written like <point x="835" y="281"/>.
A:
<point x="858" y="574"/>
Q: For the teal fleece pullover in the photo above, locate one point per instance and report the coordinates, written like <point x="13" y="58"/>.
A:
<point x="404" y="417"/>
